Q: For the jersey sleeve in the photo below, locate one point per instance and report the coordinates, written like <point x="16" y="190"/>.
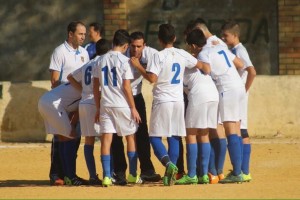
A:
<point x="56" y="61"/>
<point x="77" y="74"/>
<point x="244" y="56"/>
<point x="191" y="61"/>
<point x="203" y="56"/>
<point x="128" y="73"/>
<point x="154" y="65"/>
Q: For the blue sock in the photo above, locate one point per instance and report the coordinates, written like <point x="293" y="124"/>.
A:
<point x="90" y="160"/>
<point x="204" y="153"/>
<point x="212" y="157"/>
<point x="132" y="158"/>
<point x="173" y="151"/>
<point x="158" y="148"/>
<point x="61" y="150"/>
<point x="221" y="154"/>
<point x="241" y="144"/>
<point x="191" y="150"/>
<point x="246" y="158"/>
<point x="105" y="159"/>
<point x="70" y="158"/>
<point x="111" y="165"/>
<point x="234" y="150"/>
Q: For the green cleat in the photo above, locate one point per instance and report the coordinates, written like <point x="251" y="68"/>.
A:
<point x="106" y="181"/>
<point x="230" y="178"/>
<point x="247" y="177"/>
<point x="134" y="179"/>
<point x="165" y="181"/>
<point x="172" y="170"/>
<point x="203" y="179"/>
<point x="186" y="180"/>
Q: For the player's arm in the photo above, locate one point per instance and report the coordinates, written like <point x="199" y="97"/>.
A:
<point x="96" y="92"/>
<point x="130" y="100"/>
<point x="239" y="64"/>
<point x="152" y="78"/>
<point x="204" y="67"/>
<point x="74" y="83"/>
<point x="54" y="78"/>
<point x="250" y="77"/>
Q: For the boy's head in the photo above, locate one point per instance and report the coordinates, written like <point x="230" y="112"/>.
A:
<point x="121" y="39"/>
<point x="197" y="23"/>
<point x="230" y="33"/>
<point x="196" y="40"/>
<point x="166" y="34"/>
<point x="102" y="46"/>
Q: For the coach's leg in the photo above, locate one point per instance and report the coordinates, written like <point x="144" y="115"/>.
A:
<point x="119" y="160"/>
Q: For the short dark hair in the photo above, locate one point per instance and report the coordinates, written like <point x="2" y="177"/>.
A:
<point x="73" y="25"/>
<point x="121" y="37"/>
<point x="97" y="27"/>
<point x="232" y="26"/>
<point x="200" y="20"/>
<point x="196" y="37"/>
<point x="137" y="36"/>
<point x="102" y="46"/>
<point x="166" y="33"/>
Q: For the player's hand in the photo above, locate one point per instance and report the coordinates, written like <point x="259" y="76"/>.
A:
<point x="215" y="42"/>
<point x="135" y="115"/>
<point x="135" y="62"/>
<point x="97" y="115"/>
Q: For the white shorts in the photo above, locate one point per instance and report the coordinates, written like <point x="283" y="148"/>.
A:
<point x="230" y="104"/>
<point x="244" y="112"/>
<point x="55" y="117"/>
<point x="202" y="116"/>
<point x="167" y="119"/>
<point x="117" y="120"/>
<point x="88" y="126"/>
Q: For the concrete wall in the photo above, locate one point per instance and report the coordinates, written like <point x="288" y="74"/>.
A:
<point x="273" y="108"/>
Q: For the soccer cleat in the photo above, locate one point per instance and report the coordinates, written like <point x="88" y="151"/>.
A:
<point x="230" y="178"/>
<point x="74" y="181"/>
<point x="203" y="179"/>
<point x="247" y="177"/>
<point x="213" y="179"/>
<point x="107" y="181"/>
<point x="55" y="180"/>
<point x="165" y="181"/>
<point x="171" y="174"/>
<point x="221" y="176"/>
<point x="186" y="180"/>
<point x="179" y="175"/>
<point x="119" y="179"/>
<point x="150" y="177"/>
<point x="84" y="182"/>
<point x="134" y="179"/>
<point x="95" y="181"/>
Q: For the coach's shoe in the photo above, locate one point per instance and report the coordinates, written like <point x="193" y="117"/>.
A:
<point x="203" y="179"/>
<point x="186" y="180"/>
<point x="134" y="179"/>
<point x="213" y="179"/>
<point x="84" y="181"/>
<point x="74" y="181"/>
<point x="230" y="178"/>
<point x="150" y="176"/>
<point x="55" y="180"/>
<point x="171" y="174"/>
<point x="119" y="179"/>
<point x="107" y="181"/>
<point x="95" y="181"/>
<point x="247" y="177"/>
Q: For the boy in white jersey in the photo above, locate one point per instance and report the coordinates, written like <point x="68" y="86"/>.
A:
<point x="201" y="115"/>
<point x="166" y="71"/>
<point x="81" y="79"/>
<point x="116" y="108"/>
<point x="231" y="34"/>
<point x="231" y="93"/>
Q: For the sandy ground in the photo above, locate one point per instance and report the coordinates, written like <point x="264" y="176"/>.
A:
<point x="275" y="165"/>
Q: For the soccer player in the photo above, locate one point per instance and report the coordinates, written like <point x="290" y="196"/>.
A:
<point x="231" y="92"/>
<point x="166" y="71"/>
<point x="66" y="58"/>
<point x="203" y="101"/>
<point x="140" y="54"/>
<point x="81" y="79"/>
<point x="118" y="113"/>
<point x="96" y="32"/>
<point x="231" y="34"/>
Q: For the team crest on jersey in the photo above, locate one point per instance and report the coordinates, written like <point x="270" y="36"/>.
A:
<point x="82" y="58"/>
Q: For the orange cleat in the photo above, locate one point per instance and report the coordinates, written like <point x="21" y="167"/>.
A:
<point x="221" y="176"/>
<point x="213" y="179"/>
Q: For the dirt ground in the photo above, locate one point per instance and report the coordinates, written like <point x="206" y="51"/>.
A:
<point x="275" y="165"/>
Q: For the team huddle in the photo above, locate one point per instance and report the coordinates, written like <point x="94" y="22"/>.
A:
<point x="101" y="86"/>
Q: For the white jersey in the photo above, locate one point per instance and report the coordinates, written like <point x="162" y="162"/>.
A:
<point x="223" y="70"/>
<point x="111" y="69"/>
<point x="65" y="59"/>
<point x="200" y="87"/>
<point x="169" y="65"/>
<point x="66" y="96"/>
<point x="85" y="75"/>
<point x="136" y="83"/>
<point x="213" y="38"/>
<point x="241" y="52"/>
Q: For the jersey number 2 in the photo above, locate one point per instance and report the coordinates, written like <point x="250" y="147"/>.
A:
<point x="114" y="75"/>
<point x="176" y="69"/>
